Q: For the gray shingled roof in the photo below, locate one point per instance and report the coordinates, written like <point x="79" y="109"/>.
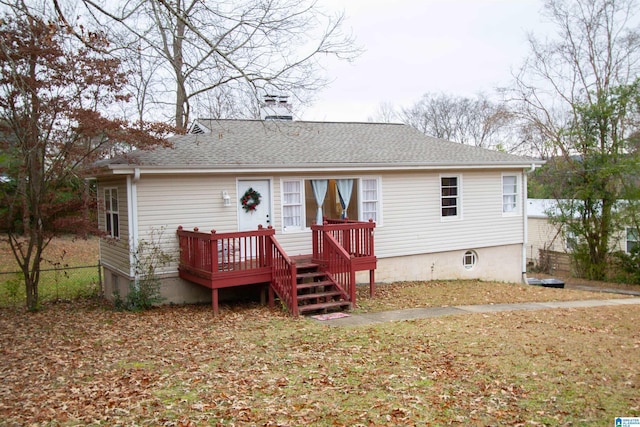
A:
<point x="249" y="144"/>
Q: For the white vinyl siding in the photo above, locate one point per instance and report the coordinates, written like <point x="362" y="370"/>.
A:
<point x="510" y="194"/>
<point x="114" y="253"/>
<point x="167" y="202"/>
<point x="412" y="211"/>
<point x="412" y="215"/>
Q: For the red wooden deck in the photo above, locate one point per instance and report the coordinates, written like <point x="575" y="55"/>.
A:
<point x="220" y="260"/>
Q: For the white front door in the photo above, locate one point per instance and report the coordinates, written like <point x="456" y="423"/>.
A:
<point x="249" y="219"/>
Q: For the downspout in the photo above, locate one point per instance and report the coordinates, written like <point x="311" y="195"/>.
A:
<point x="525" y="228"/>
<point x="132" y="213"/>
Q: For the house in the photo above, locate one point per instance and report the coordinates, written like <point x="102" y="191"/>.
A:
<point x="549" y="245"/>
<point x="441" y="210"/>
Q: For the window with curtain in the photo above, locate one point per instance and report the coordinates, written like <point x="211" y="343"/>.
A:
<point x="299" y="207"/>
<point x="509" y="193"/>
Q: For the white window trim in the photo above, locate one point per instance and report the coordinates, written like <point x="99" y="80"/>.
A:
<point x="378" y="200"/>
<point x="570" y="240"/>
<point x="474" y="260"/>
<point x="303" y="214"/>
<point x="110" y="212"/>
<point x="518" y="209"/>
<point x="304" y="228"/>
<point x="458" y="216"/>
<point x="626" y="239"/>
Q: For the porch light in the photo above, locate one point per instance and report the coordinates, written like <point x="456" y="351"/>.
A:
<point x="225" y="198"/>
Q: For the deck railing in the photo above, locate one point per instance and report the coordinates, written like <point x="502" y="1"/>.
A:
<point x="356" y="237"/>
<point x="283" y="281"/>
<point x="219" y="260"/>
<point x="212" y="253"/>
<point x="339" y="266"/>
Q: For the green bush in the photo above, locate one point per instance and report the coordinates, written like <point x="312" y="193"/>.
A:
<point x="629" y="263"/>
<point x="144" y="292"/>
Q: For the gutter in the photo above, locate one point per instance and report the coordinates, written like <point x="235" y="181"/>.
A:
<point x="310" y="168"/>
<point x="132" y="211"/>
<point x="525" y="218"/>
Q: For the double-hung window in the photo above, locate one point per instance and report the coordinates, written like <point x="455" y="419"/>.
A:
<point x="292" y="207"/>
<point x="633" y="239"/>
<point x="369" y="202"/>
<point x="509" y="194"/>
<point x="450" y="196"/>
<point x="112" y="217"/>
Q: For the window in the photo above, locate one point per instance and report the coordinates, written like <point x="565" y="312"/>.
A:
<point x="633" y="238"/>
<point x="509" y="194"/>
<point x="571" y="240"/>
<point x="292" y="205"/>
<point x="299" y="206"/>
<point x="112" y="218"/>
<point x="469" y="260"/>
<point x="369" y="200"/>
<point x="450" y="199"/>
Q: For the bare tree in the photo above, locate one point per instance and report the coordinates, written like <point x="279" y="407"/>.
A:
<point x="385" y="113"/>
<point x="478" y="121"/>
<point x="596" y="47"/>
<point x="234" y="49"/>
<point x="578" y="92"/>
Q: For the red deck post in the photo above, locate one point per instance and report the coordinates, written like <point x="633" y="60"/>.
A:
<point x="214" y="300"/>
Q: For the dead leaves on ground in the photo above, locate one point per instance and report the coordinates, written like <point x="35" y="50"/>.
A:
<point x="81" y="364"/>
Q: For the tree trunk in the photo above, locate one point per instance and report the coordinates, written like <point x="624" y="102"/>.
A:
<point x="31" y="288"/>
<point x="182" y="102"/>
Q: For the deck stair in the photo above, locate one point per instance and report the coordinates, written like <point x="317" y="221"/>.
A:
<point x="316" y="290"/>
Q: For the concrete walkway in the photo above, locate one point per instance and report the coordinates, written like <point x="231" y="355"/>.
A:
<point x="423" y="313"/>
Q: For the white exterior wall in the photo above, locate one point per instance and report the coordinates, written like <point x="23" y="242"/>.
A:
<point x="543" y="235"/>
<point x="411" y="238"/>
<point x="167" y="202"/>
<point x="412" y="223"/>
<point x="499" y="263"/>
<point x="114" y="253"/>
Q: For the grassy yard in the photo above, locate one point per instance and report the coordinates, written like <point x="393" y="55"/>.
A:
<point x="81" y="363"/>
<point x="84" y="364"/>
<point x="61" y="279"/>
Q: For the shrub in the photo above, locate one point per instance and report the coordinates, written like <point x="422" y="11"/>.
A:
<point x="144" y="290"/>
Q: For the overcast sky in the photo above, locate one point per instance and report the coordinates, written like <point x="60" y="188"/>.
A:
<point x="460" y="47"/>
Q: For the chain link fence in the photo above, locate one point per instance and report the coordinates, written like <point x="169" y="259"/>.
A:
<point x="60" y="283"/>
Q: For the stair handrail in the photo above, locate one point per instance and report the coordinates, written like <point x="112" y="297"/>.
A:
<point x="338" y="263"/>
<point x="284" y="272"/>
<point x="355" y="236"/>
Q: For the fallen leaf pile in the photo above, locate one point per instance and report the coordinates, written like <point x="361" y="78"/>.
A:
<point x="83" y="364"/>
